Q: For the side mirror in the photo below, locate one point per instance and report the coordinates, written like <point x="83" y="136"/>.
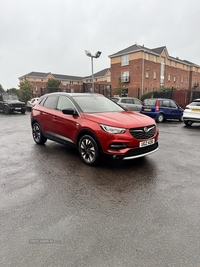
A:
<point x="69" y="111"/>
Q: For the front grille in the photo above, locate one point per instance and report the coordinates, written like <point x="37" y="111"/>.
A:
<point x="17" y="105"/>
<point x="143" y="132"/>
<point x="141" y="150"/>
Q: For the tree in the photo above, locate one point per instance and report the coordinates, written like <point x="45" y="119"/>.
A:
<point x="53" y="85"/>
<point x="1" y="89"/>
<point x="25" y="91"/>
<point x="13" y="91"/>
<point x="119" y="88"/>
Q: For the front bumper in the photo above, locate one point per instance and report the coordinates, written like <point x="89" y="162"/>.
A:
<point x="134" y="153"/>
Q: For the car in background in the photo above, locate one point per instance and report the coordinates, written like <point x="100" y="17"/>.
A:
<point x="94" y="125"/>
<point x="31" y="103"/>
<point x="162" y="109"/>
<point x="10" y="103"/>
<point x="128" y="103"/>
<point x="192" y="112"/>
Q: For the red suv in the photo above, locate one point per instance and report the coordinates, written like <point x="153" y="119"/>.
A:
<point x="94" y="125"/>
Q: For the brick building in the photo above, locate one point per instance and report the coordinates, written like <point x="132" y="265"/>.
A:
<point x="139" y="70"/>
<point x="69" y="83"/>
<point x="133" y="71"/>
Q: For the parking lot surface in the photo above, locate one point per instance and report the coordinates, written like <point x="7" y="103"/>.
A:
<point x="57" y="211"/>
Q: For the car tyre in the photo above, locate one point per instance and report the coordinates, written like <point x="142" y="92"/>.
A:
<point x="6" y="110"/>
<point x="188" y="123"/>
<point x="37" y="134"/>
<point x="88" y="150"/>
<point x="181" y="119"/>
<point x="23" y="111"/>
<point x="160" y="118"/>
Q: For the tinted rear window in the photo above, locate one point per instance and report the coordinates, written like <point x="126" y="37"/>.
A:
<point x="195" y="103"/>
<point x="150" y="102"/>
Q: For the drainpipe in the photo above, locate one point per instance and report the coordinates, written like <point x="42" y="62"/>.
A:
<point x="143" y="73"/>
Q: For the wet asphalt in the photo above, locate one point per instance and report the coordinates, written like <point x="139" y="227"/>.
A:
<point x="56" y="211"/>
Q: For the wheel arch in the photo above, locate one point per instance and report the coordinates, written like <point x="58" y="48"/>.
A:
<point x="87" y="132"/>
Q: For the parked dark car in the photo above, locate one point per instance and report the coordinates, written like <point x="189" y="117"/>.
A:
<point x="162" y="109"/>
<point x="192" y="113"/>
<point x="94" y="125"/>
<point x="128" y="103"/>
<point x="10" y="103"/>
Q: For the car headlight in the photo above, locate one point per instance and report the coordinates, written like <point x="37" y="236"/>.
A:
<point x="112" y="130"/>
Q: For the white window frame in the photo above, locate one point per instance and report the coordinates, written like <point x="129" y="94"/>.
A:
<point x="108" y="79"/>
<point x="147" y="73"/>
<point x="155" y="58"/>
<point x="169" y="77"/>
<point x="124" y="60"/>
<point x="125" y="76"/>
<point x="154" y="74"/>
<point x="147" y="56"/>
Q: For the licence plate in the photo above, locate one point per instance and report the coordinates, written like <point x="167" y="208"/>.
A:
<point x="17" y="108"/>
<point x="196" y="110"/>
<point x="147" y="109"/>
<point x="147" y="143"/>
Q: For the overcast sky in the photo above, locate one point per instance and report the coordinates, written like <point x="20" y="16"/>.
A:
<point x="52" y="35"/>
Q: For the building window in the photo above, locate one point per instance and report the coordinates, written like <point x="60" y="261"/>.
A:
<point x="174" y="78"/>
<point x="64" y="82"/>
<point x="108" y="79"/>
<point x="71" y="82"/>
<point x="169" y="77"/>
<point x="125" y="76"/>
<point x="154" y="74"/>
<point x="42" y="80"/>
<point x="147" y="56"/>
<point x="182" y="79"/>
<point x="155" y="58"/>
<point x="175" y="64"/>
<point x="124" y="60"/>
<point x="147" y="73"/>
<point x="186" y="80"/>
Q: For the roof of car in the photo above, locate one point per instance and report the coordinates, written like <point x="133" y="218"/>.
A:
<point x="73" y="94"/>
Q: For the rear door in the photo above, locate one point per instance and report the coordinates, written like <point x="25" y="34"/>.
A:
<point x="46" y="115"/>
<point x="166" y="108"/>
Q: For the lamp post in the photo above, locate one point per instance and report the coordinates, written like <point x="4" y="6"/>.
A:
<point x="88" y="53"/>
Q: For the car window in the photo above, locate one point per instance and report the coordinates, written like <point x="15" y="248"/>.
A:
<point x="165" y="103"/>
<point x="150" y="102"/>
<point x="64" y="102"/>
<point x="137" y="101"/>
<point x="50" y="102"/>
<point x="173" y="104"/>
<point x="195" y="103"/>
<point x="115" y="99"/>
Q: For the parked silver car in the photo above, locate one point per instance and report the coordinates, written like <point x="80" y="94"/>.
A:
<point x="192" y="112"/>
<point x="129" y="103"/>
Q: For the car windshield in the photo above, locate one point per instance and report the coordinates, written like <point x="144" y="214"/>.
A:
<point x="150" y="102"/>
<point x="96" y="104"/>
<point x="10" y="97"/>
